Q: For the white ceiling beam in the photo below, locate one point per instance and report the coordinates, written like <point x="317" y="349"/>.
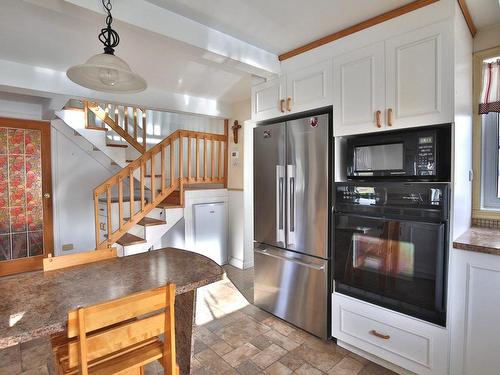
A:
<point x="34" y="80"/>
<point x="151" y="17"/>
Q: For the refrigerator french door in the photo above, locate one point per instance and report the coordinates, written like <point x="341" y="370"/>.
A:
<point x="291" y="208"/>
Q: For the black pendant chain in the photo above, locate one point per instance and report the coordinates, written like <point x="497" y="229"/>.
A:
<point x="108" y="36"/>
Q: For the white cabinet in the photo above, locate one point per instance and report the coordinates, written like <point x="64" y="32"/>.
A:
<point x="268" y="99"/>
<point x="297" y="91"/>
<point x="419" y="77"/>
<point x="359" y="91"/>
<point x="474" y="285"/>
<point x="309" y="88"/>
<point x="393" y="337"/>
<point x="408" y="78"/>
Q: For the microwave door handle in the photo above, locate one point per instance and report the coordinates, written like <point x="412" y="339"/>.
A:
<point x="291" y="205"/>
<point x="280" y="185"/>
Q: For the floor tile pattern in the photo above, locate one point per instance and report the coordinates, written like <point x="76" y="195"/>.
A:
<point x="231" y="337"/>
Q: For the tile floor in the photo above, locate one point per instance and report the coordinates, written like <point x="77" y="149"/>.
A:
<point x="231" y="337"/>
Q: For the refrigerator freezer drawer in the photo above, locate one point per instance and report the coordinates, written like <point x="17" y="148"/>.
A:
<point x="292" y="286"/>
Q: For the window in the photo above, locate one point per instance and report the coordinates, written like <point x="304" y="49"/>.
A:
<point x="487" y="134"/>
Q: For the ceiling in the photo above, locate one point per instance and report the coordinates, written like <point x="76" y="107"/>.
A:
<point x="58" y="39"/>
<point x="279" y="26"/>
<point x="484" y="13"/>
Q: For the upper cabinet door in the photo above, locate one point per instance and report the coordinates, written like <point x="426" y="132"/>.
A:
<point x="309" y="88"/>
<point x="420" y="77"/>
<point x="268" y="99"/>
<point x="359" y="91"/>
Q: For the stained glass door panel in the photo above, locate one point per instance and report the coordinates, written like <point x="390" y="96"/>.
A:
<point x="21" y="193"/>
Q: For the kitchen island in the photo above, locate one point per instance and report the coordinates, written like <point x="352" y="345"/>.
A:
<point x="36" y="304"/>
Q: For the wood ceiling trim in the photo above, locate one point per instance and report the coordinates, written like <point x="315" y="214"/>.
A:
<point x="363" y="25"/>
<point x="468" y="18"/>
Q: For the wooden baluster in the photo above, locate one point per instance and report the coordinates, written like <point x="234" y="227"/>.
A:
<point x="144" y="130"/>
<point x="205" y="158"/>
<point x="96" y="220"/>
<point x="135" y="123"/>
<point x="86" y="112"/>
<point x="143" y="203"/>
<point x="162" y="167"/>
<point x="226" y="143"/>
<point x="131" y="192"/>
<point x="108" y="211"/>
<point x="181" y="159"/>
<point x="116" y="116"/>
<point x="125" y="119"/>
<point x="172" y="163"/>
<point x="219" y="159"/>
<point x="212" y="157"/>
<point x="153" y="177"/>
<point x="197" y="158"/>
<point x="189" y="160"/>
<point x="120" y="201"/>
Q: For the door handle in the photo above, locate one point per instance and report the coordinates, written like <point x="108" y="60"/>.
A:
<point x="282" y="105"/>
<point x="291" y="205"/>
<point x="280" y="185"/>
<point x="377" y="119"/>
<point x="293" y="260"/>
<point x="389" y="117"/>
<point x="289" y="104"/>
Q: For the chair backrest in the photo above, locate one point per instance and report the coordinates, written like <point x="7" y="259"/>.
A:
<point x="123" y="323"/>
<point x="54" y="263"/>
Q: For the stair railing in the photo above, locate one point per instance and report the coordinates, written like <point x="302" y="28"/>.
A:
<point x="184" y="157"/>
<point x="132" y="130"/>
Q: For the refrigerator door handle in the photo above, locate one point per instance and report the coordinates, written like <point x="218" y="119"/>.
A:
<point x="280" y="212"/>
<point x="291" y="206"/>
<point x="300" y="262"/>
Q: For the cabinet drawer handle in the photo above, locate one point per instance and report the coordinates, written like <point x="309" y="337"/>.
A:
<point x="282" y="105"/>
<point x="289" y="104"/>
<point x="389" y="117"/>
<point x="379" y="335"/>
<point x="377" y="119"/>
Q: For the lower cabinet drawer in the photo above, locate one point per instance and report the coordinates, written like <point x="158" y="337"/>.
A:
<point x="402" y="340"/>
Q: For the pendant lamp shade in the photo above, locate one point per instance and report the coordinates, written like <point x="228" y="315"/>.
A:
<point x="108" y="73"/>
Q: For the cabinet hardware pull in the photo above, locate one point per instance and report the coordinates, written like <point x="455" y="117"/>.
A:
<point x="377" y="119"/>
<point x="289" y="104"/>
<point x="389" y="117"/>
<point x="282" y="105"/>
<point x="379" y="335"/>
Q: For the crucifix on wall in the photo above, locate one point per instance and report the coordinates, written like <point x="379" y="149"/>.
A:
<point x="235" y="128"/>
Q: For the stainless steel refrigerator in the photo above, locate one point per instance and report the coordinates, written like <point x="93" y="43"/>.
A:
<point x="291" y="211"/>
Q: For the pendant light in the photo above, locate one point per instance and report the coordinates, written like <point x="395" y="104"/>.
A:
<point x="105" y="71"/>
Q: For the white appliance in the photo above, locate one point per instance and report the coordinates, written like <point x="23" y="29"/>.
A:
<point x="210" y="231"/>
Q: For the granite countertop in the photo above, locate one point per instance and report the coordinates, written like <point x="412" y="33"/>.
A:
<point x="36" y="304"/>
<point x="481" y="240"/>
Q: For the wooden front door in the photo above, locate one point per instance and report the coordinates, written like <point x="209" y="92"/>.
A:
<point x="26" y="235"/>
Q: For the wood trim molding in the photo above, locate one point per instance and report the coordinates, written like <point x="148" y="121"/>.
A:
<point x="358" y="27"/>
<point x="467" y="16"/>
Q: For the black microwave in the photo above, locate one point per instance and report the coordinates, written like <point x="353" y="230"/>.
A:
<point x="416" y="154"/>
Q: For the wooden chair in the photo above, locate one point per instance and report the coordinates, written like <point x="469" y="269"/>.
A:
<point x="121" y="336"/>
<point x="54" y="263"/>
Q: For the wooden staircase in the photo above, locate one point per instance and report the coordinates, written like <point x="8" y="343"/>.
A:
<point x="156" y="179"/>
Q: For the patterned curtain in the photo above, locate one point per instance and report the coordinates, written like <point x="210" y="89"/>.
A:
<point x="490" y="94"/>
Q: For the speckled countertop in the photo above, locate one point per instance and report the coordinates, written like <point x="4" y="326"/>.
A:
<point x="36" y="304"/>
<point x="481" y="240"/>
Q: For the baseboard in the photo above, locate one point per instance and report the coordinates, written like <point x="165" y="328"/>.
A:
<point x="377" y="360"/>
<point x="235" y="262"/>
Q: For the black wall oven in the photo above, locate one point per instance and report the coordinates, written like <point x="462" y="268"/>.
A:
<point x="421" y="154"/>
<point x="391" y="244"/>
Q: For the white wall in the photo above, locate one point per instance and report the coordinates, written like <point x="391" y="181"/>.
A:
<point x="74" y="176"/>
<point x="487" y="38"/>
<point x="19" y="106"/>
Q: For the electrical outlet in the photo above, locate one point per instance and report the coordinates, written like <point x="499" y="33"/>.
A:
<point x="68" y="246"/>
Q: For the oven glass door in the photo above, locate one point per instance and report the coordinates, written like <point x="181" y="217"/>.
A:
<point x="393" y="262"/>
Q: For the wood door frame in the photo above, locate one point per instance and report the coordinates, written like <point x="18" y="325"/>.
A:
<point x="35" y="263"/>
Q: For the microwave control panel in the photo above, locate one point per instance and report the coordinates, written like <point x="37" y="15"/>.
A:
<point x="426" y="156"/>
